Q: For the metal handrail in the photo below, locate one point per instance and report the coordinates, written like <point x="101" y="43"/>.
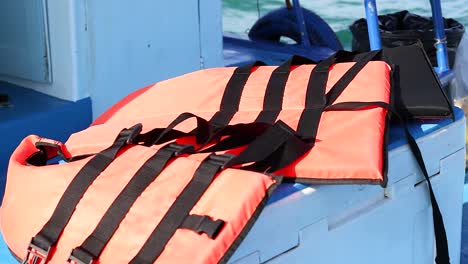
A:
<point x="439" y="32"/>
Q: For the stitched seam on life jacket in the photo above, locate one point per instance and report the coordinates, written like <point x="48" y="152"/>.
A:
<point x="248" y="226"/>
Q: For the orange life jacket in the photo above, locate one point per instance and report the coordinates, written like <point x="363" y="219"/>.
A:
<point x="185" y="188"/>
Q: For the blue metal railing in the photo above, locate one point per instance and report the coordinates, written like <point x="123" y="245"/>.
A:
<point x="374" y="32"/>
<point x="301" y="23"/>
<point x="373" y="24"/>
<point x="441" y="40"/>
<point x="439" y="32"/>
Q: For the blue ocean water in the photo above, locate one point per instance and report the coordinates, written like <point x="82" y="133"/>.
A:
<point x="239" y="16"/>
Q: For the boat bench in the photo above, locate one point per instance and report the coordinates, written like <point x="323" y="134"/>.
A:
<point x="364" y="223"/>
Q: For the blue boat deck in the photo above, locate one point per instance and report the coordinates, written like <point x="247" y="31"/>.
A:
<point x="232" y="52"/>
<point x="28" y="116"/>
<point x="31" y="112"/>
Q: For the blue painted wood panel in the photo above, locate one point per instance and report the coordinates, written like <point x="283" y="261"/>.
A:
<point x="134" y="44"/>
<point x="23" y="40"/>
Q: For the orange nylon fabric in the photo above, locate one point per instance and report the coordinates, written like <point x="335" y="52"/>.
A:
<point x="349" y="144"/>
<point x="25" y="212"/>
<point x="348" y="148"/>
<point x="201" y="92"/>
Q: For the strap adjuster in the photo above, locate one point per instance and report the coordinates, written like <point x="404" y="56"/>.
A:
<point x="209" y="227"/>
<point x="130" y="134"/>
<point x="221" y="160"/>
<point x="80" y="256"/>
<point x="38" y="254"/>
<point x="180" y="149"/>
<point x="203" y="224"/>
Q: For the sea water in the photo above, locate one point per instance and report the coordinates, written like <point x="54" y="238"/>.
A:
<point x="240" y="15"/>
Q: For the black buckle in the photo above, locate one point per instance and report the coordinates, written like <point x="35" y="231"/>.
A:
<point x="180" y="149"/>
<point x="83" y="257"/>
<point x="221" y="160"/>
<point x="130" y="134"/>
<point x="210" y="227"/>
<point x="38" y="254"/>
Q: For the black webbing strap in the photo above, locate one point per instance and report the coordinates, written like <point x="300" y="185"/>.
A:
<point x="274" y="149"/>
<point x="442" y="251"/>
<point x="157" y="136"/>
<point x="92" y="247"/>
<point x="48" y="150"/>
<point x="231" y="142"/>
<point x="273" y="102"/>
<point x="286" y="154"/>
<point x="203" y="177"/>
<point x="180" y="209"/>
<point x="274" y="93"/>
<point x="271" y="107"/>
<point x="244" y="134"/>
<point x="316" y="100"/>
<point x="232" y="96"/>
<point x="238" y="135"/>
<point x="47" y="238"/>
<point x="344" y="81"/>
<point x="151" y="136"/>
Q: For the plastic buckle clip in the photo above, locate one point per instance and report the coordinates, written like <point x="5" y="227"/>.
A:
<point x="83" y="257"/>
<point x="221" y="160"/>
<point x="180" y="149"/>
<point x="130" y="134"/>
<point x="38" y="254"/>
<point x="208" y="226"/>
